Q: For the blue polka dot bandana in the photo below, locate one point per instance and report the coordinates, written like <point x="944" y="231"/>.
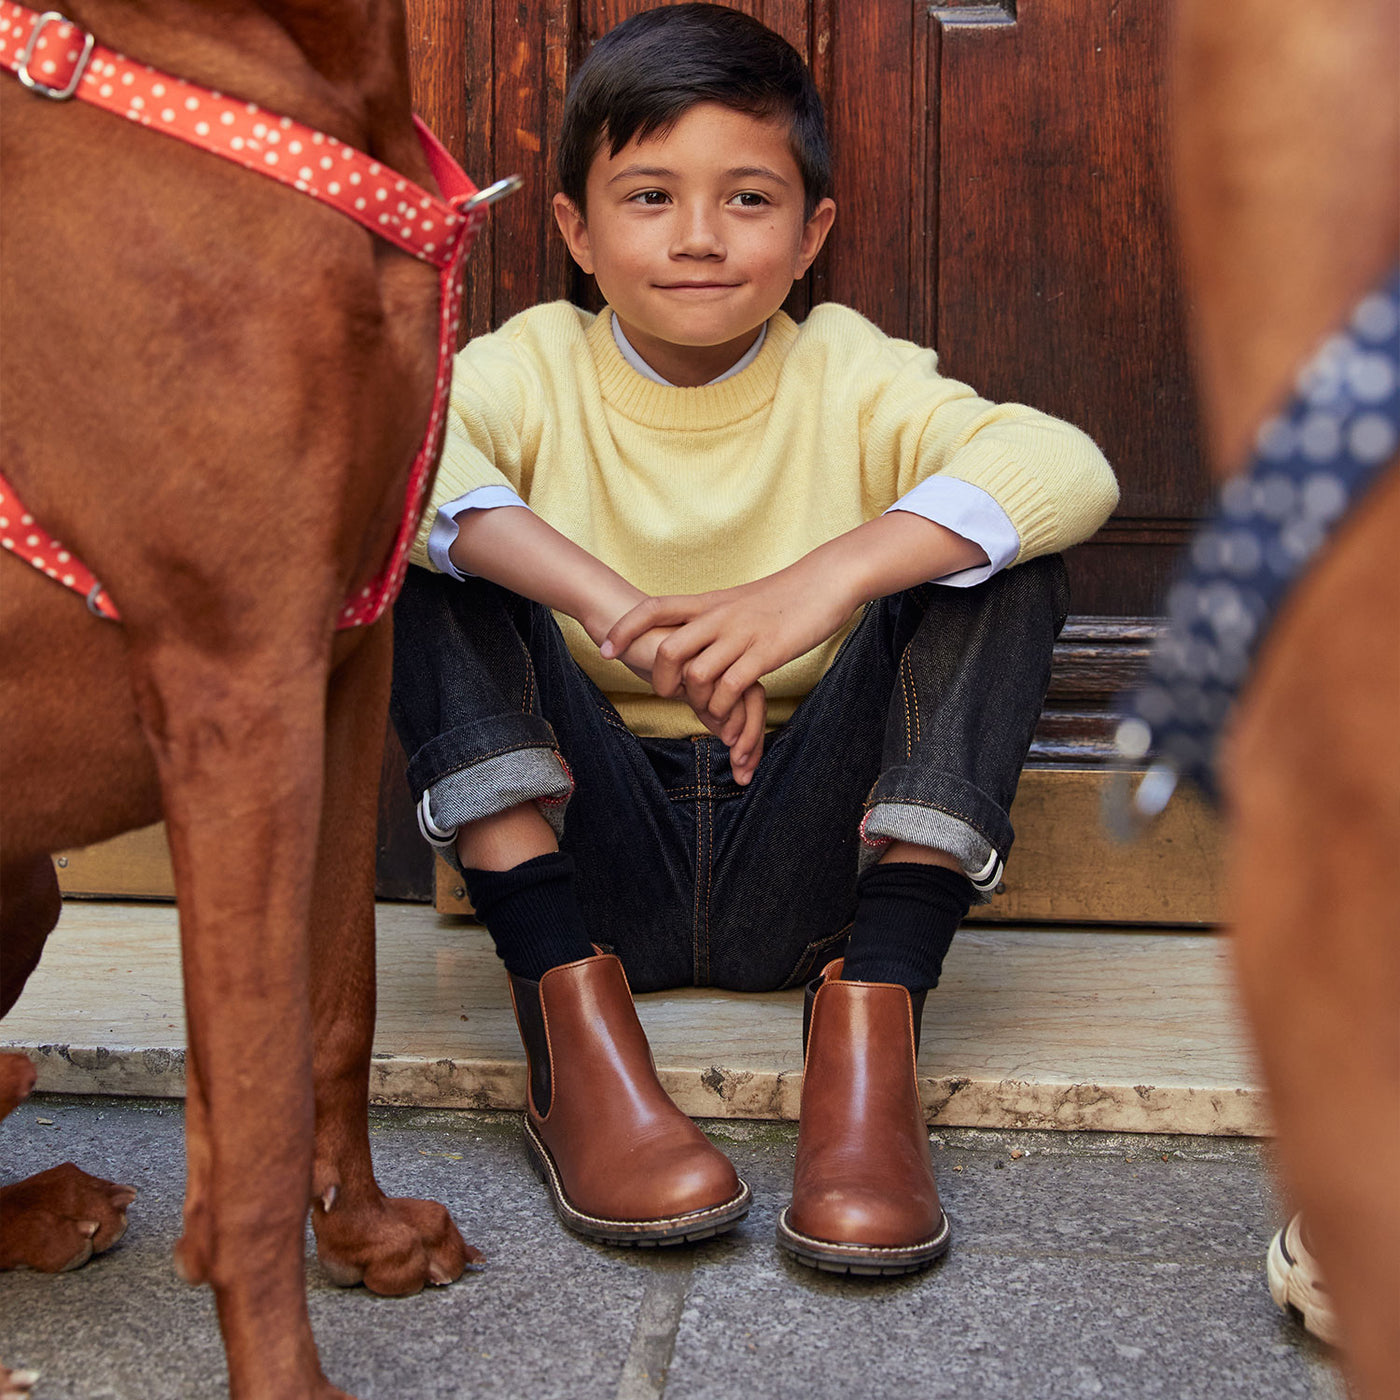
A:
<point x="1313" y="462"/>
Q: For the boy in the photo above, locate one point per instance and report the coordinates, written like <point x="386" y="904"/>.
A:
<point x="641" y="708"/>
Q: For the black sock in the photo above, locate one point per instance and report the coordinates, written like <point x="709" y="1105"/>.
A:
<point x="906" y="916"/>
<point x="531" y="912"/>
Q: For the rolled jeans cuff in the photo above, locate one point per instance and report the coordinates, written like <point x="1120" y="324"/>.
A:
<point x="972" y="829"/>
<point x="494" y="785"/>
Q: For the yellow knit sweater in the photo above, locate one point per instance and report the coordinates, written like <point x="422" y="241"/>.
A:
<point x="687" y="490"/>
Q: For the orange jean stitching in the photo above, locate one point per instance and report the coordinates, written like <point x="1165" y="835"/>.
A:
<point x="699" y="853"/>
<point x="909" y="689"/>
<point x="914" y="690"/>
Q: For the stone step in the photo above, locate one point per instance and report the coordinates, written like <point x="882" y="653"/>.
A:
<point x="1031" y="1028"/>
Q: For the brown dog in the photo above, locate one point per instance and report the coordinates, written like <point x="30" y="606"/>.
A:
<point x="213" y="390"/>
<point x="1288" y="145"/>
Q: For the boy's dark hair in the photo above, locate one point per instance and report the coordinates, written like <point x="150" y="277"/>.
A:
<point x="642" y="76"/>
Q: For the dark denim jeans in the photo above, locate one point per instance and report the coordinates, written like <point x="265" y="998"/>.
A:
<point x="918" y="731"/>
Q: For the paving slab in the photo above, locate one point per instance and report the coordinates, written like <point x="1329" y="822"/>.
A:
<point x="1113" y="1030"/>
<point x="1084" y="1268"/>
<point x="1087" y="1266"/>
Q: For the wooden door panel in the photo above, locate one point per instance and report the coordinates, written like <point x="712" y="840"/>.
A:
<point x="790" y="18"/>
<point x="873" y="260"/>
<point x="1054" y="269"/>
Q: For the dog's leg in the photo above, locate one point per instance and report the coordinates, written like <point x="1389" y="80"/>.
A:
<point x="392" y="1246"/>
<point x="29" y="909"/>
<point x="1314" y="894"/>
<point x="59" y="1218"/>
<point x="1286" y="153"/>
<point x="191" y="1255"/>
<point x="17" y="1076"/>
<point x="237" y="731"/>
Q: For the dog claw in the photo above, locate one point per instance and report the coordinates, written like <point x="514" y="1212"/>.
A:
<point x="85" y="1230"/>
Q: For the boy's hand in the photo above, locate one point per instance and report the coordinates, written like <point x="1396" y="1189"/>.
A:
<point x="719" y="644"/>
<point x="740" y="730"/>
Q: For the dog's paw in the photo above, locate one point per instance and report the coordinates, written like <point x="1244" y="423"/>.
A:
<point x="392" y="1246"/>
<point x="59" y="1219"/>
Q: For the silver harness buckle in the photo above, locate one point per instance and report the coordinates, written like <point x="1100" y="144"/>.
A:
<point x="26" y="55"/>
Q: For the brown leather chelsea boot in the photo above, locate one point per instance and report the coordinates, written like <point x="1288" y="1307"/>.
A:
<point x="622" y="1163"/>
<point x="864" y="1200"/>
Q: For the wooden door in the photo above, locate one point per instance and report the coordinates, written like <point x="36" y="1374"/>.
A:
<point x="1002" y="195"/>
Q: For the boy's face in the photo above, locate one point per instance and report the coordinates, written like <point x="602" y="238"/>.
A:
<point x="696" y="237"/>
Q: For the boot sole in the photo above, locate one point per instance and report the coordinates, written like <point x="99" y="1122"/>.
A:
<point x="641" y="1234"/>
<point x="866" y="1259"/>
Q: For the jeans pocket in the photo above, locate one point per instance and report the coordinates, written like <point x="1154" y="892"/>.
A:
<point x="814" y="955"/>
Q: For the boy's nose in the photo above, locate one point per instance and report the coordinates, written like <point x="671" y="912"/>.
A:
<point x="698" y="235"/>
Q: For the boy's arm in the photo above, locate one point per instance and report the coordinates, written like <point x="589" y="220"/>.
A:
<point x="917" y="426"/>
<point x="721" y="643"/>
<point x="513" y="547"/>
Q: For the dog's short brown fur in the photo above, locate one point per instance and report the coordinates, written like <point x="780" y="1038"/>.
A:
<point x="1288" y="146"/>
<point x="213" y="390"/>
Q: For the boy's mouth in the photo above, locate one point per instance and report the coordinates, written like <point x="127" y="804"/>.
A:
<point x="696" y="286"/>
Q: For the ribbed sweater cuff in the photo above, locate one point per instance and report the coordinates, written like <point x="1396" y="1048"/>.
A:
<point x="1028" y="483"/>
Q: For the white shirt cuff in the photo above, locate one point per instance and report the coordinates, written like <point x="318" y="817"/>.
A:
<point x="968" y="511"/>
<point x="443" y="535"/>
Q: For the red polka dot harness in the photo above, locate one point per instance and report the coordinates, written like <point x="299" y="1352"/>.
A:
<point x="56" y="59"/>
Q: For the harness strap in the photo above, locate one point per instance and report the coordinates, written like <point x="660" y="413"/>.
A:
<point x="53" y="57"/>
<point x="56" y="59"/>
<point x="1314" y="462"/>
<point x="21" y="534"/>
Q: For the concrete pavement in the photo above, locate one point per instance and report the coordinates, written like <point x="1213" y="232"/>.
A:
<point x="1092" y="1265"/>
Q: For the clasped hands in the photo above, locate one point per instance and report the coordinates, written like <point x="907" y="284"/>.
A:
<point x="712" y="648"/>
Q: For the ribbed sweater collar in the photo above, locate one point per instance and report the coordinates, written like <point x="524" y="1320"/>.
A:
<point x="671" y="408"/>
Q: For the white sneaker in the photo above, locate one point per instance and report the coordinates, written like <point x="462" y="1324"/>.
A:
<point x="442" y="838"/>
<point x="1295" y="1281"/>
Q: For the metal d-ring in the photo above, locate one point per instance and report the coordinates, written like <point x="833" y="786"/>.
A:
<point x="1127" y="812"/>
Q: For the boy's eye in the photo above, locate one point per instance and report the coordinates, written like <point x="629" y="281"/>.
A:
<point x="750" y="199"/>
<point x="650" y="197"/>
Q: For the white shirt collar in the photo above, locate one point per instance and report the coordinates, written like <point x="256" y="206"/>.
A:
<point x="640" y="365"/>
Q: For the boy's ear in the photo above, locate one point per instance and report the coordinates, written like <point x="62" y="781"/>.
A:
<point x="575" y="230"/>
<point x="814" y="234"/>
